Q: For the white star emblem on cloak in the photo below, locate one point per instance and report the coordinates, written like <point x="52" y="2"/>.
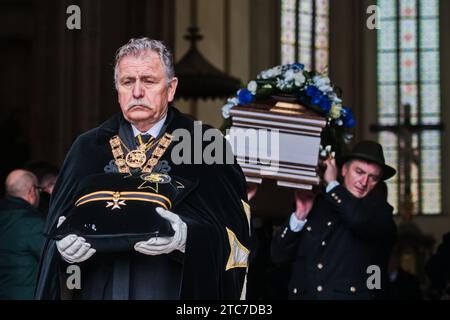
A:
<point x="115" y="204"/>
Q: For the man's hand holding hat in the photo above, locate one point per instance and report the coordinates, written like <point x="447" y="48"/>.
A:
<point x="72" y="248"/>
<point x="164" y="245"/>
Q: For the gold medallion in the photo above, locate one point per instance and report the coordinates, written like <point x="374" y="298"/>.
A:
<point x="135" y="159"/>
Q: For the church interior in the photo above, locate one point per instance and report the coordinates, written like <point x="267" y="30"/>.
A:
<point x="57" y="82"/>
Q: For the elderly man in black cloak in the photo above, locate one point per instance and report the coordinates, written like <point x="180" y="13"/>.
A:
<point x="206" y="255"/>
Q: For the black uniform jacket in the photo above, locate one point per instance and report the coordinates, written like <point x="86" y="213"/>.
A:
<point x="331" y="255"/>
<point x="212" y="207"/>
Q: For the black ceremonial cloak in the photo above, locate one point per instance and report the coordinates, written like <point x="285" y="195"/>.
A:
<point x="211" y="206"/>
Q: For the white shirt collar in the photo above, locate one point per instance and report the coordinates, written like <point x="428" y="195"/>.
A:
<point x="153" y="131"/>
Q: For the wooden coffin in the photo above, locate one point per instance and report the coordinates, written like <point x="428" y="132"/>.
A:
<point x="278" y="141"/>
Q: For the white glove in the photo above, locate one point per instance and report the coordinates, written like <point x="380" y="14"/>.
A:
<point x="72" y="248"/>
<point x="163" y="245"/>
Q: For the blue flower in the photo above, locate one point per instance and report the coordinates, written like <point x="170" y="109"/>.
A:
<point x="298" y="66"/>
<point x="345" y="112"/>
<point x="312" y="91"/>
<point x="316" y="100"/>
<point x="325" y="104"/>
<point x="350" y="123"/>
<point x="347" y="117"/>
<point x="245" y="96"/>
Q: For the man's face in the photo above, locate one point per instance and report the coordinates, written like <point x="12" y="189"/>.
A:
<point x="143" y="88"/>
<point x="361" y="177"/>
<point x="48" y="183"/>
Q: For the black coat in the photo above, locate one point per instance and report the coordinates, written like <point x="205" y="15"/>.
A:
<point x="210" y="207"/>
<point x="343" y="236"/>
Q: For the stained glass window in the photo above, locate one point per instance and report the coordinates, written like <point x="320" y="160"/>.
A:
<point x="304" y="33"/>
<point x="408" y="73"/>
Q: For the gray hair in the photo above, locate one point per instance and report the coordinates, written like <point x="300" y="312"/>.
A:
<point x="138" y="45"/>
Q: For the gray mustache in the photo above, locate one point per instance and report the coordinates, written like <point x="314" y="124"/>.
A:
<point x="137" y="103"/>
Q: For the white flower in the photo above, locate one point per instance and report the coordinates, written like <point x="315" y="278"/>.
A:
<point x="226" y="110"/>
<point x="325" y="88"/>
<point x="252" y="87"/>
<point x="289" y="75"/>
<point x="337" y="100"/>
<point x="281" y="84"/>
<point x="299" y="79"/>
<point x="320" y="81"/>
<point x="263" y="75"/>
<point x="340" y="122"/>
<point x="277" y="70"/>
<point x="323" y="84"/>
<point x="274" y="72"/>
<point x="231" y="102"/>
<point x="270" y="73"/>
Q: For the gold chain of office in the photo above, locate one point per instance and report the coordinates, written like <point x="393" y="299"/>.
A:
<point x="137" y="159"/>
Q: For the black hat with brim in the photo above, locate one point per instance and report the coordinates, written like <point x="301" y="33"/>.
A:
<point x="372" y="152"/>
<point x="113" y="211"/>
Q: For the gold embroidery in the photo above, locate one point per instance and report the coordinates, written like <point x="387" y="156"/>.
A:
<point x="238" y="253"/>
<point x="246" y="210"/>
<point x="119" y="198"/>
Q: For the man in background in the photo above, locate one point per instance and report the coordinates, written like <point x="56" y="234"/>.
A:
<point x="21" y="239"/>
<point x="333" y="238"/>
<point x="46" y="173"/>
